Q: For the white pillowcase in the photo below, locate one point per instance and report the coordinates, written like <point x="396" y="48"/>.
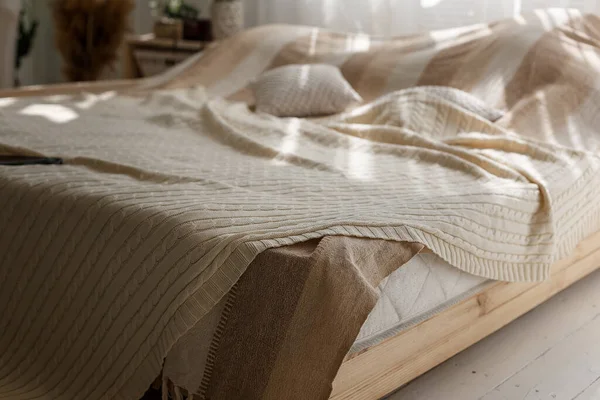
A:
<point x="303" y="91"/>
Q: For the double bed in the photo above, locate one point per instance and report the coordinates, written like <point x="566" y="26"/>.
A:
<point x="422" y="286"/>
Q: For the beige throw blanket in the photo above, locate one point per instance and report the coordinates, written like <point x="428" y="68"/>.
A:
<point x="163" y="202"/>
<point x="289" y="340"/>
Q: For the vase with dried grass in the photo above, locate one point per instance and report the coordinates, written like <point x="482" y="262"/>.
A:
<point x="89" y="33"/>
<point x="227" y="18"/>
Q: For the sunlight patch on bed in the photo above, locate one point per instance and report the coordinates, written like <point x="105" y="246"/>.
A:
<point x="52" y="112"/>
<point x="313" y="41"/>
<point x="545" y="125"/>
<point x="290" y="140"/>
<point x="359" y="42"/>
<point x="519" y="19"/>
<point x="303" y="76"/>
<point x="7" y="101"/>
<point x="444" y="35"/>
<point x="91" y="99"/>
<point x="574" y="133"/>
<point x="360" y="160"/>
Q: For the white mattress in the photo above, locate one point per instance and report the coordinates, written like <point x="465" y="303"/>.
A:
<point x="426" y="285"/>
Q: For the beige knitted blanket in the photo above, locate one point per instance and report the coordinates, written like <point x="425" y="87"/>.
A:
<point x="164" y="201"/>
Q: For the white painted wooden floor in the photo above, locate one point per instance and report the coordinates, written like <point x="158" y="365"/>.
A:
<point x="552" y="352"/>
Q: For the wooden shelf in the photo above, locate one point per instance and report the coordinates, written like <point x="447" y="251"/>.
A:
<point x="149" y="40"/>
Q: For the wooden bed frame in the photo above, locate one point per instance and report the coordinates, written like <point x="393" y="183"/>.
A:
<point x="379" y="370"/>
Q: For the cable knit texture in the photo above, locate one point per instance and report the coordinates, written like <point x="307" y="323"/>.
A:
<point x="164" y="200"/>
<point x="303" y="91"/>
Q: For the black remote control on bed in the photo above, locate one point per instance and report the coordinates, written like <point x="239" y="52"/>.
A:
<point x="29" y="160"/>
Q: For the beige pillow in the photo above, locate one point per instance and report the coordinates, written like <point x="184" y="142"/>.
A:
<point x="303" y="91"/>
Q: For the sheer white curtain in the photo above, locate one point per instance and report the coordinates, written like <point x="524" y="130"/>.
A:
<point x="396" y="17"/>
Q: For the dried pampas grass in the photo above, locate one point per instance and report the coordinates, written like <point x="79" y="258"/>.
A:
<point x="89" y="33"/>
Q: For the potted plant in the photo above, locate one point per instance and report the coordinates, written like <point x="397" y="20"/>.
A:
<point x="25" y="38"/>
<point x="227" y="18"/>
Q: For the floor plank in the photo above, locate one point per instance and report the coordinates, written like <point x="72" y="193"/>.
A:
<point x="592" y="392"/>
<point x="555" y="346"/>
<point x="559" y="373"/>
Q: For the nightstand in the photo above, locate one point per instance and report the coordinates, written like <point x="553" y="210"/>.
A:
<point x="146" y="55"/>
